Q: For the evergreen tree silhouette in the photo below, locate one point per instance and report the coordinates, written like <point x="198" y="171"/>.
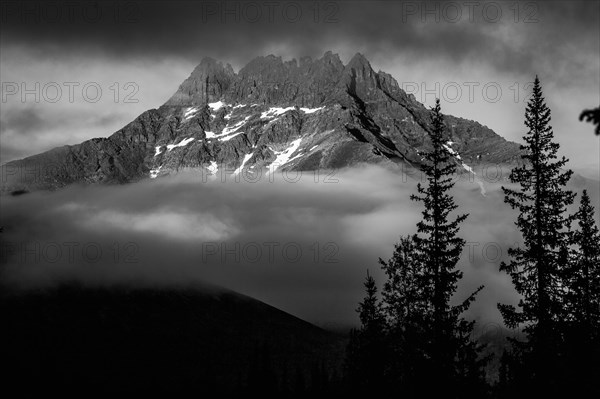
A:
<point x="537" y="268"/>
<point x="429" y="339"/>
<point x="584" y="292"/>
<point x="451" y="353"/>
<point x="593" y="116"/>
<point x="583" y="301"/>
<point x="366" y="362"/>
<point x="405" y="303"/>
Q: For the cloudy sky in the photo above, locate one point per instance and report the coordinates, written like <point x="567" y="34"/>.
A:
<point x="478" y="57"/>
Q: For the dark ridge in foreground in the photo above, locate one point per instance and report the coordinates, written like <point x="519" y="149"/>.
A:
<point x="106" y="342"/>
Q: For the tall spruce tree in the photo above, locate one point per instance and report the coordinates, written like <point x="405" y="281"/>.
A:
<point x="536" y="268"/>
<point x="585" y="277"/>
<point x="583" y="301"/>
<point x="404" y="304"/>
<point x="366" y="353"/>
<point x="583" y="294"/>
<point x="450" y="355"/>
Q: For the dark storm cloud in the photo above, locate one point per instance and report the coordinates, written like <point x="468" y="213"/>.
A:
<point x="521" y="36"/>
<point x="304" y="247"/>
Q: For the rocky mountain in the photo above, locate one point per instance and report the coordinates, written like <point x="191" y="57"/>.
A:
<point x="272" y="114"/>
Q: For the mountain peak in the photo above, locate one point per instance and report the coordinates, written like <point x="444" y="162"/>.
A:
<point x="360" y="79"/>
<point x="359" y="61"/>
<point x="308" y="115"/>
<point x="207" y="61"/>
<point x="207" y="82"/>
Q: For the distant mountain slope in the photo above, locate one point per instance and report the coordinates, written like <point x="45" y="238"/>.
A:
<point x="306" y="115"/>
<point x="131" y="341"/>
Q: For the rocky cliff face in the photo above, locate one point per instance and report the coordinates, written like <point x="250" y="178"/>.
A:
<point x="296" y="115"/>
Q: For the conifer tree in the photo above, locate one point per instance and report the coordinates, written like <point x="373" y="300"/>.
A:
<point x="583" y="301"/>
<point x="438" y="238"/>
<point x="593" y="116"/>
<point x="584" y="286"/>
<point x="536" y="268"/>
<point x="404" y="295"/>
<point x="366" y="353"/>
<point x="404" y="304"/>
<point x="433" y="337"/>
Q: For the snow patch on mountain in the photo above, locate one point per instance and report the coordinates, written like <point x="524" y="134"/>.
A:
<point x="311" y="110"/>
<point x="468" y="168"/>
<point x="182" y="143"/>
<point x="154" y="172"/>
<point x="227" y="138"/>
<point x="464" y="165"/>
<point x="284" y="156"/>
<point x="213" y="168"/>
<point x="244" y="161"/>
<point x="450" y="150"/>
<point x="189" y="113"/>
<point x="300" y="154"/>
<point x="275" y="111"/>
<point x="217" y="105"/>
<point x="228" y="130"/>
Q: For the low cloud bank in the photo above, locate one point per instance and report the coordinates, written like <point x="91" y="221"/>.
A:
<point x="303" y="247"/>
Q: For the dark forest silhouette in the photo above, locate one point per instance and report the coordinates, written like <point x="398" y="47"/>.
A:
<point x="412" y="342"/>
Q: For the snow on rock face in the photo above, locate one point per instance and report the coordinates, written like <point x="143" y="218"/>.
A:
<point x="154" y="172"/>
<point x="244" y="161"/>
<point x="189" y="113"/>
<point x="284" y="156"/>
<point x="450" y="150"/>
<point x="157" y="150"/>
<point x="275" y="111"/>
<point x="464" y="165"/>
<point x="182" y="143"/>
<point x="468" y="168"/>
<point x="228" y="130"/>
<point x="213" y="168"/>
<point x="216" y="106"/>
<point x="227" y="138"/>
<point x="311" y="110"/>
<point x="295" y="157"/>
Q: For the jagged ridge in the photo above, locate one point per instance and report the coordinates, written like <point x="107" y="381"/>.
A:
<point x="306" y="115"/>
